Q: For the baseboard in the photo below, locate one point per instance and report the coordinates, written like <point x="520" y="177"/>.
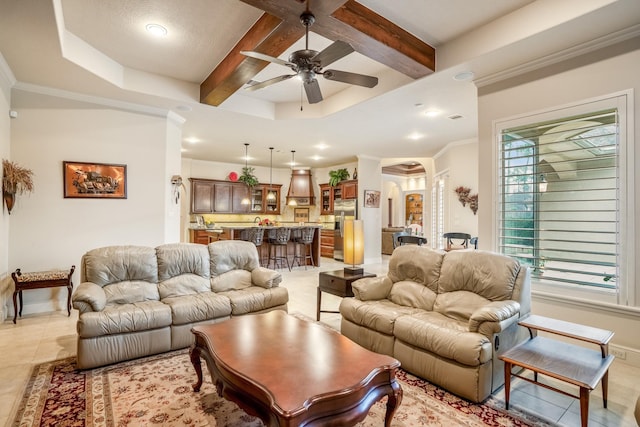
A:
<point x="626" y="355"/>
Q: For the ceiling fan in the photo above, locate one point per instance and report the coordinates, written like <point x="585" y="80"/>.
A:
<point x="308" y="63"/>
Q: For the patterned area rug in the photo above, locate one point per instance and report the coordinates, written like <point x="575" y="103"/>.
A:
<point x="156" y="391"/>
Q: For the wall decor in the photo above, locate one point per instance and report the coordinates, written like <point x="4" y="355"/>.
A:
<point x="94" y="180"/>
<point x="463" y="194"/>
<point x="301" y="215"/>
<point x="371" y="199"/>
<point x="15" y="180"/>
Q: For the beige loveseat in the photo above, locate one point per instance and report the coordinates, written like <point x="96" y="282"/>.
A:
<point x="445" y="316"/>
<point x="136" y="301"/>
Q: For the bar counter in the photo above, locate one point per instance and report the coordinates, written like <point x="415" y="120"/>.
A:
<point x="233" y="232"/>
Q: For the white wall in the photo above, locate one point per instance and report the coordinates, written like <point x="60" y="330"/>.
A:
<point x="6" y="78"/>
<point x="610" y="70"/>
<point x="460" y="160"/>
<point x="48" y="231"/>
<point x="370" y="178"/>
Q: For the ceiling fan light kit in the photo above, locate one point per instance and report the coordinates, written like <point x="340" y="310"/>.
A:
<point x="308" y="63"/>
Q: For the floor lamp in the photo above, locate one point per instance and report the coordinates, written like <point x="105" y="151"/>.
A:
<point x="353" y="246"/>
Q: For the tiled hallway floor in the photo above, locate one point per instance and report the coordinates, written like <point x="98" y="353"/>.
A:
<point x="49" y="336"/>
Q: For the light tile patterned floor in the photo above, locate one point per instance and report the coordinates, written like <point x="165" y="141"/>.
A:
<point x="42" y="337"/>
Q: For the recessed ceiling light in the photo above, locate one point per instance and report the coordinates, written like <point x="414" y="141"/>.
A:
<point x="432" y="113"/>
<point x="192" y="140"/>
<point x="464" y="76"/>
<point x="415" y="136"/>
<point x="316" y="157"/>
<point x="185" y="108"/>
<point x="156" y="30"/>
<point x="321" y="146"/>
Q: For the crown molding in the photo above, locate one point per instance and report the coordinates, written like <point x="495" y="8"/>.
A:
<point x="6" y="75"/>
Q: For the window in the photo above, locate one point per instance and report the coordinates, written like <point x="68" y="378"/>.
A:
<point x="561" y="203"/>
<point x="437" y="210"/>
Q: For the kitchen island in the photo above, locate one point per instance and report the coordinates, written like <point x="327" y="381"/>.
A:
<point x="234" y="232"/>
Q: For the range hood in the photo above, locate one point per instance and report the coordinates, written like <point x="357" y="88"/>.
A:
<point x="301" y="188"/>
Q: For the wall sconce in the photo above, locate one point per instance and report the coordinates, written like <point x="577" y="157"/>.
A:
<point x="542" y="185"/>
<point x="353" y="246"/>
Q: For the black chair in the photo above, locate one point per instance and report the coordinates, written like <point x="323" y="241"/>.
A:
<point x="398" y="234"/>
<point x="474" y="242"/>
<point x="456" y="241"/>
<point x="412" y="240"/>
<point x="303" y="240"/>
<point x="278" y="239"/>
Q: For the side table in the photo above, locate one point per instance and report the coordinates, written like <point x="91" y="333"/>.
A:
<point x="337" y="283"/>
<point x="39" y="280"/>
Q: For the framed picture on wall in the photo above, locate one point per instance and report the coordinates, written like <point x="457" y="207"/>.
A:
<point x="371" y="199"/>
<point x="94" y="180"/>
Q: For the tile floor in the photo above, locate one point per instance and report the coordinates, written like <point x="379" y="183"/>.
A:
<point x="49" y="336"/>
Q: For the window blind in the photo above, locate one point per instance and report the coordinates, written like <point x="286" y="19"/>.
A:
<point x="560" y="197"/>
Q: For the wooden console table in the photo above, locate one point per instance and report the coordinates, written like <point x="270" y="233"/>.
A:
<point x="566" y="362"/>
<point x="39" y="280"/>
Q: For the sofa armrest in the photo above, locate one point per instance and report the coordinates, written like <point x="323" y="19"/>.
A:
<point x="89" y="297"/>
<point x="494" y="317"/>
<point x="265" y="277"/>
<point x="372" y="288"/>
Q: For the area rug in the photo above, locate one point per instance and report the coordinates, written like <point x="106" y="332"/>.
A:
<point x="156" y="391"/>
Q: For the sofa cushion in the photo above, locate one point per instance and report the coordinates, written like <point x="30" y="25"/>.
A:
<point x="416" y="263"/>
<point x="234" y="279"/>
<point x="198" y="307"/>
<point x="412" y="294"/>
<point x="131" y="291"/>
<point x="487" y="274"/>
<point x="446" y="337"/>
<point x="459" y="305"/>
<point x="256" y="298"/>
<point x="113" y="264"/>
<point x="377" y="315"/>
<point x="124" y="318"/>
<point x="183" y="269"/>
<point x="227" y="255"/>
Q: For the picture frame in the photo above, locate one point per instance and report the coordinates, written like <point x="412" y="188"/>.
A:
<point x="83" y="180"/>
<point x="301" y="215"/>
<point x="371" y="199"/>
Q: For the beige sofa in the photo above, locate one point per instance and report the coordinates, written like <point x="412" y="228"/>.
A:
<point x="445" y="316"/>
<point x="136" y="301"/>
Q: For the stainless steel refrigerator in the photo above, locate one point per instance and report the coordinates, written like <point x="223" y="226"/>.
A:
<point x="342" y="210"/>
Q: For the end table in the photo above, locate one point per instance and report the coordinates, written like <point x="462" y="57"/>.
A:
<point x="338" y="283"/>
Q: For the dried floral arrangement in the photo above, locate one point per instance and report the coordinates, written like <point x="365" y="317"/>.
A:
<point x="15" y="180"/>
<point x="464" y="197"/>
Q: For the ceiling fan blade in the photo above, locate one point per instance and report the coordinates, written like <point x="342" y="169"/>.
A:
<point x="260" y="85"/>
<point x="312" y="88"/>
<point x="262" y="56"/>
<point x="332" y="53"/>
<point x="351" y="78"/>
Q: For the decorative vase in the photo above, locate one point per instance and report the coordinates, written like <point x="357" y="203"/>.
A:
<point x="9" y="200"/>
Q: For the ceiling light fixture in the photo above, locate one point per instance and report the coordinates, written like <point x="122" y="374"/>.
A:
<point x="432" y="113"/>
<point x="246" y="200"/>
<point x="156" y="30"/>
<point x="415" y="136"/>
<point x="464" y="76"/>
<point x="271" y="195"/>
<point x="292" y="201"/>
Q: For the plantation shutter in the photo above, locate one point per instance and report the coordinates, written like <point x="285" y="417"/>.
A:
<point x="560" y="197"/>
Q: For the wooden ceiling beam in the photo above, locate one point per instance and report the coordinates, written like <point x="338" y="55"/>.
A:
<point x="369" y="33"/>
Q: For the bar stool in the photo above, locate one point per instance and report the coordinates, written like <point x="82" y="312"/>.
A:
<point x="254" y="235"/>
<point x="278" y="239"/>
<point x="303" y="241"/>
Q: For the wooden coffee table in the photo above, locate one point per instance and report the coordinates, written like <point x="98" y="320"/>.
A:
<point x="292" y="372"/>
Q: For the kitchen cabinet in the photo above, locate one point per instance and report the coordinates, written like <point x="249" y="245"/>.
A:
<point x="259" y="202"/>
<point x="326" y="243"/>
<point x="346" y="190"/>
<point x="212" y="196"/>
<point x="199" y="236"/>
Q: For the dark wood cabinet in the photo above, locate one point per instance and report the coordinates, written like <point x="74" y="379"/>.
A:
<point x="200" y="236"/>
<point x="326" y="243"/>
<point x="345" y="190"/>
<point x="261" y="204"/>
<point x="349" y="189"/>
<point x="212" y="196"/>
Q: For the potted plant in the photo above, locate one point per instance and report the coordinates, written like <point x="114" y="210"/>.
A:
<point x="337" y="176"/>
<point x="15" y="180"/>
<point x="248" y="177"/>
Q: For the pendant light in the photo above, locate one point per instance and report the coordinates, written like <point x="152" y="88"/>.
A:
<point x="271" y="195"/>
<point x="293" y="202"/>
<point x="246" y="200"/>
